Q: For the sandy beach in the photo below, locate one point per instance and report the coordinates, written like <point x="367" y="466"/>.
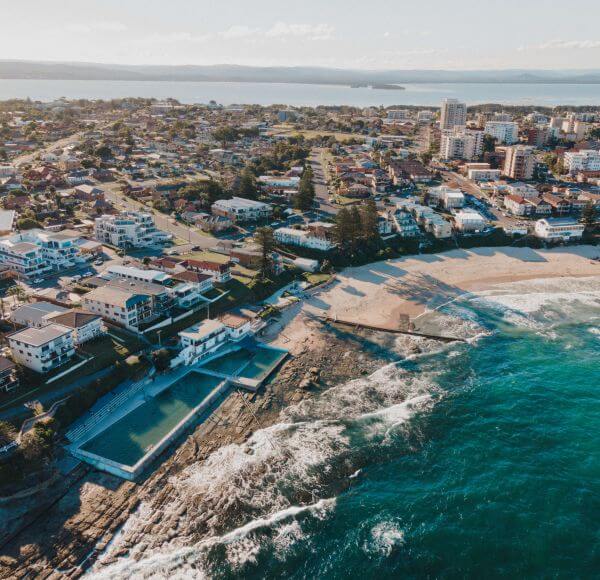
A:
<point x="385" y="293"/>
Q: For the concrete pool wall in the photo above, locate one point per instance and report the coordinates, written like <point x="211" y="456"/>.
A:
<point x="132" y="472"/>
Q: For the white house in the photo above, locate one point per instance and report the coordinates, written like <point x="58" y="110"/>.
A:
<point x="468" y="220"/>
<point x="36" y="314"/>
<point x="558" y="229"/>
<point x="239" y="209"/>
<point x="302" y="238"/>
<point x="84" y="325"/>
<point x="201" y="339"/>
<point x="42" y="349"/>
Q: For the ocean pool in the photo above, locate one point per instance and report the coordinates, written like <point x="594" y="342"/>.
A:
<point x="255" y="364"/>
<point x="130" y="438"/>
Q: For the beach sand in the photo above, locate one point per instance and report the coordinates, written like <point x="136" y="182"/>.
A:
<point x="385" y="293"/>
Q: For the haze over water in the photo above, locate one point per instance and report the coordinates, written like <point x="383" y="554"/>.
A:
<point x="303" y="94"/>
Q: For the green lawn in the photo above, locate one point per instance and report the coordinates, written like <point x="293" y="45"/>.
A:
<point x="117" y="345"/>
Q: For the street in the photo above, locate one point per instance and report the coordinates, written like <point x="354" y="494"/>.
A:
<point x="317" y="162"/>
<point x="163" y="222"/>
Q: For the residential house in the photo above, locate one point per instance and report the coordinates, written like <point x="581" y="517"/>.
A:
<point x="558" y="229"/>
<point x="238" y="209"/>
<point x="42" y="349"/>
<point x="125" y="307"/>
<point x="36" y="314"/>
<point x="219" y="272"/>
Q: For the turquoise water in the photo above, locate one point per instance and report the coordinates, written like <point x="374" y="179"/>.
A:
<point x="481" y="460"/>
<point x="127" y="440"/>
<point x="250" y="364"/>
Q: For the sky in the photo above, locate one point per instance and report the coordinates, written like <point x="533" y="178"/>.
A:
<point x="372" y="34"/>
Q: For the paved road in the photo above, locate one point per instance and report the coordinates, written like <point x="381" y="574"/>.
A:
<point x="317" y="162"/>
<point x="470" y="187"/>
<point x="162" y="221"/>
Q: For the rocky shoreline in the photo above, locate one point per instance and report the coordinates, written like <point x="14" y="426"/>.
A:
<point x="67" y="537"/>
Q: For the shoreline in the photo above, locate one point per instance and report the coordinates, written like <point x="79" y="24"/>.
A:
<point x="95" y="506"/>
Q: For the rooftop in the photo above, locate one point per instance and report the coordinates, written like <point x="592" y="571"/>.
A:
<point x="40" y="336"/>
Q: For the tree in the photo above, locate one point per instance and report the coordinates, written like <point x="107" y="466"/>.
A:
<point x="247" y="185"/>
<point x="588" y="216"/>
<point x="369" y="222"/>
<point x="266" y="242"/>
<point x="305" y="197"/>
<point x="489" y="144"/>
<point x="226" y="135"/>
<point x="18" y="293"/>
<point x="7" y="433"/>
<point x="161" y="359"/>
<point x="28" y="224"/>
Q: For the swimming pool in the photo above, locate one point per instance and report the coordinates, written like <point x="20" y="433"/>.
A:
<point x="255" y="363"/>
<point x="130" y="438"/>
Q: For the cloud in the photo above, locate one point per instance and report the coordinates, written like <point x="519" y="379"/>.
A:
<point x="176" y="38"/>
<point x="563" y="44"/>
<point x="308" y="31"/>
<point x="239" y="31"/>
<point x="99" y="26"/>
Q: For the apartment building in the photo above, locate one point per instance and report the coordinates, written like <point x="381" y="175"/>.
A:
<point x="484" y="174"/>
<point x="398" y="114"/>
<point x="446" y="196"/>
<point x="586" y="160"/>
<point x="129" y="229"/>
<point x="453" y="114"/>
<point x="503" y="132"/>
<point x="303" y="239"/>
<point x="42" y="349"/>
<point x="127" y="308"/>
<point x="469" y="220"/>
<point x="458" y="143"/>
<point x="405" y="225"/>
<point x="137" y="274"/>
<point x="558" y="229"/>
<point x="239" y="209"/>
<point x="519" y="162"/>
<point x="35" y="253"/>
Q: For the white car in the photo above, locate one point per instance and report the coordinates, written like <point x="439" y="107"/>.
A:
<point x="37" y="281"/>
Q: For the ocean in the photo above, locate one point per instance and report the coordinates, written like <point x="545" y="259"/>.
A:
<point x="302" y="94"/>
<point x="471" y="460"/>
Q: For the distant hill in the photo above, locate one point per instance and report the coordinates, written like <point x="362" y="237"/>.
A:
<point x="12" y="69"/>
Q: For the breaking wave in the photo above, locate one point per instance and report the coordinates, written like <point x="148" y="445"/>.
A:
<point x="271" y="487"/>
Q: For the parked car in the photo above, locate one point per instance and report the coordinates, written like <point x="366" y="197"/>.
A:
<point x="37" y="281"/>
<point x="98" y="262"/>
